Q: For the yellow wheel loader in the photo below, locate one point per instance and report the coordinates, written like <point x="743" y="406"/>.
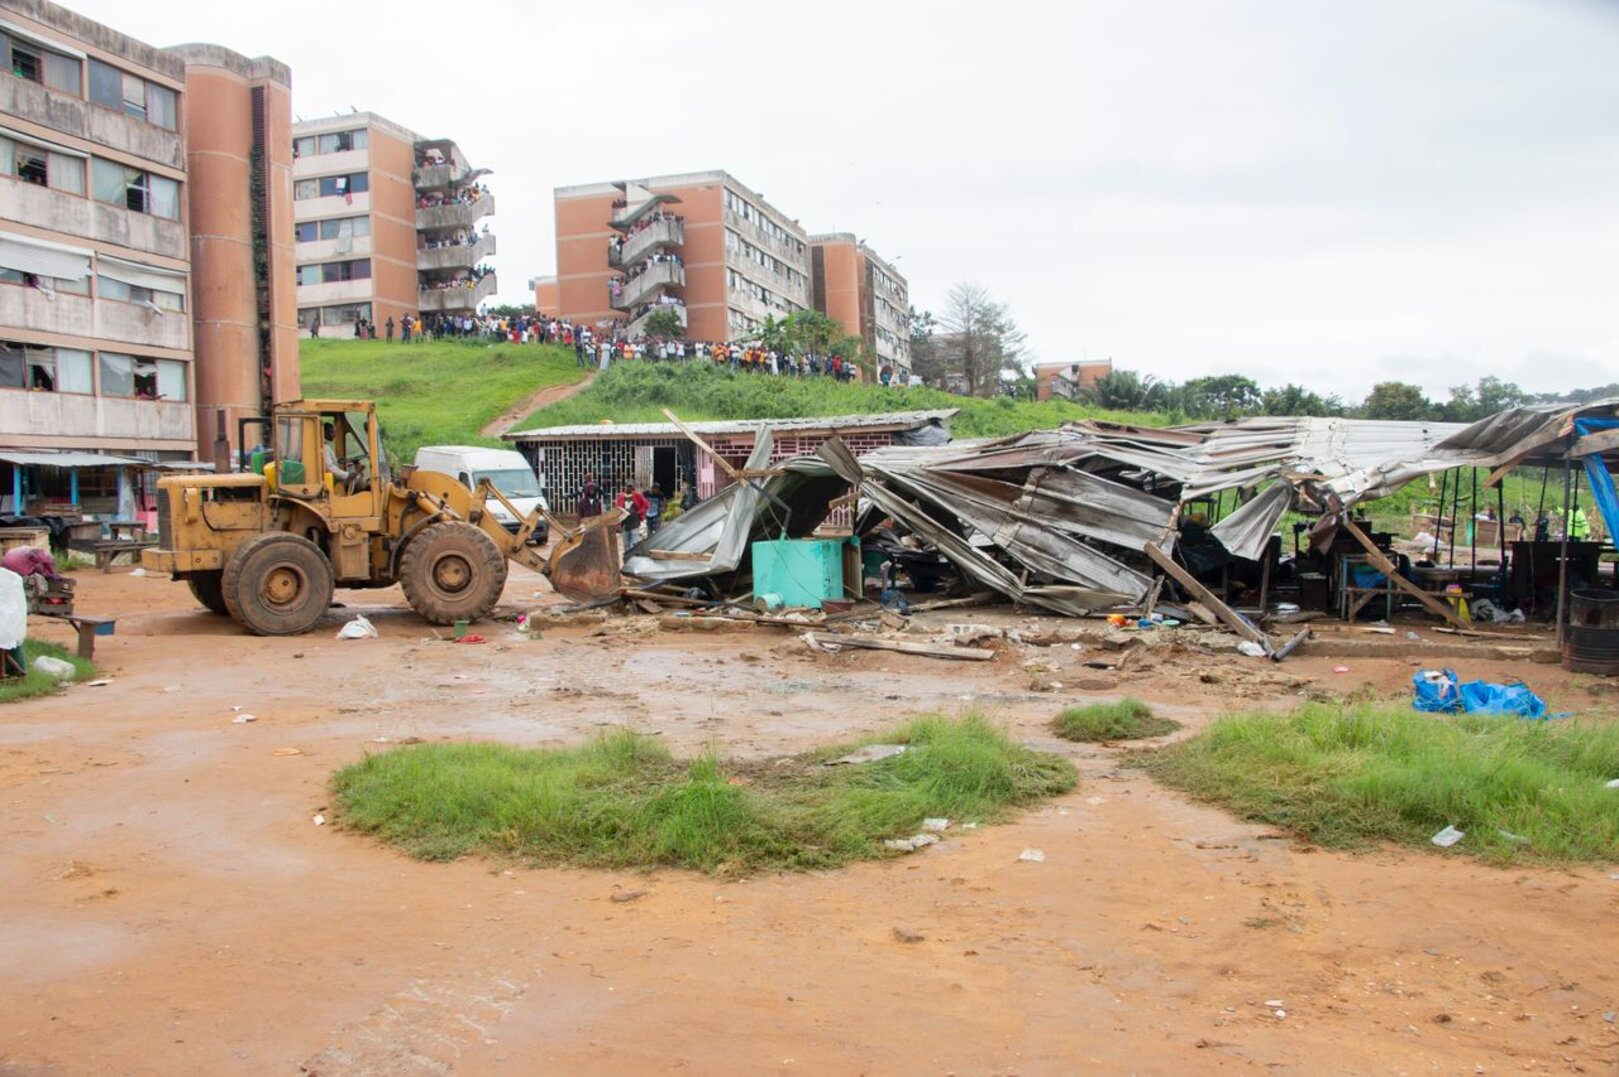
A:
<point x="320" y="510"/>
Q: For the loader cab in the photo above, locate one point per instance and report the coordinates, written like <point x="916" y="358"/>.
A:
<point x="316" y="440"/>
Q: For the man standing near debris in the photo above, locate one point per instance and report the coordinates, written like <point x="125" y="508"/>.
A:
<point x="590" y="498"/>
<point x="634" y="506"/>
<point x="1576" y="528"/>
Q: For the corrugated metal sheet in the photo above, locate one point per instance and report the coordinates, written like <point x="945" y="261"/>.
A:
<point x="68" y="459"/>
<point x="897" y="420"/>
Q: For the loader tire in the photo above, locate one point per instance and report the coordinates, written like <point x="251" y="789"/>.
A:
<point x="452" y="572"/>
<point x="277" y="584"/>
<point x="208" y="589"/>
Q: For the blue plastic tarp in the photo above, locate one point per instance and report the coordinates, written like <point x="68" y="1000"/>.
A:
<point x="1596" y="470"/>
<point x="1439" y="692"/>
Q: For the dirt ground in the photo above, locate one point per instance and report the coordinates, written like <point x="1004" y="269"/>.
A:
<point x="167" y="904"/>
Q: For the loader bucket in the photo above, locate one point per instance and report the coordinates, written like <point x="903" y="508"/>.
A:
<point x="584" y="563"/>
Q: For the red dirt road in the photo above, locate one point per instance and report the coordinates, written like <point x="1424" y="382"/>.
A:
<point x="168" y="906"/>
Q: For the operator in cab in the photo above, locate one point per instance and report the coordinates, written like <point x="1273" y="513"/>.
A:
<point x="350" y="478"/>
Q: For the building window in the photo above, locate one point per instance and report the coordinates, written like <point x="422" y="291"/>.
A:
<point x="332" y="186"/>
<point x="142" y="378"/>
<point x="47" y="370"/>
<point x="332" y="142"/>
<point x="133" y="95"/>
<point x="133" y="189"/>
<point x="345" y="227"/>
<point x="342" y="314"/>
<point x="42" y="167"/>
<point x="109" y="288"/>
<point x="332" y="272"/>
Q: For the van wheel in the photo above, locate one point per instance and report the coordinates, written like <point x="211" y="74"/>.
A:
<point x="208" y="589"/>
<point x="277" y="584"/>
<point x="452" y="572"/>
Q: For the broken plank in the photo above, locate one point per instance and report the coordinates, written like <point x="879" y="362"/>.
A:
<point x="982" y="598"/>
<point x="672" y="600"/>
<point x="1381" y="562"/>
<point x="679" y="555"/>
<point x="877" y="643"/>
<point x="1206" y="597"/>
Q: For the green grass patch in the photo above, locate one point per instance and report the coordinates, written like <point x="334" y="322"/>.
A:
<point x="40" y="684"/>
<point x="440" y="392"/>
<point x="1368" y="774"/>
<point x="622" y="801"/>
<point x="636" y="392"/>
<point x="1125" y="719"/>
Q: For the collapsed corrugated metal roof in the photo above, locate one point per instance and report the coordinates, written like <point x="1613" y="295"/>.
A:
<point x="1060" y="518"/>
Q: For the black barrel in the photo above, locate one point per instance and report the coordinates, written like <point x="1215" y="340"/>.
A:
<point x="1593" y="607"/>
<point x="1591" y="650"/>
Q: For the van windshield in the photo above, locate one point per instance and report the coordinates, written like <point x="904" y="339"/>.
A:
<point x="513" y="482"/>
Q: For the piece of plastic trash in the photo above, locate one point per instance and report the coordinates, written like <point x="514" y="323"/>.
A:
<point x="1250" y="648"/>
<point x="912" y="843"/>
<point x="935" y="824"/>
<point x="1033" y="856"/>
<point x="1340" y="669"/>
<point x="359" y="628"/>
<point x="99" y="682"/>
<point x="320" y="820"/>
<point x="1448" y="837"/>
<point x="473" y="638"/>
<point x="243" y="719"/>
<point x="1613" y="783"/>
<point x="1511" y="838"/>
<point x="54" y="668"/>
<point x="1287" y="607"/>
<point x="137" y="571"/>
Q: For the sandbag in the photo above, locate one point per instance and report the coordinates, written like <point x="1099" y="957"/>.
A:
<point x="13" y="610"/>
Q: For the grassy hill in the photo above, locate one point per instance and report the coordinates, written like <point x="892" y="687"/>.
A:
<point x="434" y="393"/>
<point x="637" y="392"/>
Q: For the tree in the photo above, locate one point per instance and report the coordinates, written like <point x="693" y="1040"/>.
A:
<point x="664" y="324"/>
<point x="1470" y="403"/>
<point x="926" y="362"/>
<point x="509" y="310"/>
<point x="1126" y="390"/>
<point x="1224" y="396"/>
<point x="1293" y="399"/>
<point x="979" y="339"/>
<point x="1396" y="400"/>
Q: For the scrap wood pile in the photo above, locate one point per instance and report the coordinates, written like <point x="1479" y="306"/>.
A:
<point x="1090" y="519"/>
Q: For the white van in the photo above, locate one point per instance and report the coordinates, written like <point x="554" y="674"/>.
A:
<point x="504" y="468"/>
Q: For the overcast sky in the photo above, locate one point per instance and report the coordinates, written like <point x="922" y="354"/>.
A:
<point x="1298" y="190"/>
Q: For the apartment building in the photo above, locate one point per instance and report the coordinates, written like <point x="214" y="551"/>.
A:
<point x="856" y="287"/>
<point x="127" y="264"/>
<point x="386" y="224"/>
<point x="1065" y="381"/>
<point x="700" y="244"/>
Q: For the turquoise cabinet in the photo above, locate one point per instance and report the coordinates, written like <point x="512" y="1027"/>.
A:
<point x="804" y="572"/>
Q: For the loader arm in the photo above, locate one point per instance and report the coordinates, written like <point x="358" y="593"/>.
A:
<point x="584" y="561"/>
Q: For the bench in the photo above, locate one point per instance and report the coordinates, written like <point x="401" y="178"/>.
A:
<point x="107" y="551"/>
<point x="88" y="629"/>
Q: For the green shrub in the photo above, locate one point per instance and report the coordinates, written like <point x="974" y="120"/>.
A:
<point x="620" y="800"/>
<point x="1126" y="719"/>
<point x="1355" y="777"/>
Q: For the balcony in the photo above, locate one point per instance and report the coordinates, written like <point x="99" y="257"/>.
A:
<point x="637" y="326"/>
<point x="72" y="419"/>
<point x="665" y="233"/>
<point x="649" y="284"/>
<point x="447" y="175"/>
<point x="103" y="126"/>
<point x="76" y="215"/>
<point x="455" y="214"/>
<point x="430" y="300"/>
<point x="458" y="256"/>
<point x="325" y="250"/>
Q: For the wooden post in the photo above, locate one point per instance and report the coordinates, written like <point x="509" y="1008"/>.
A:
<point x="1232" y="619"/>
<point x="1381" y="562"/>
<point x="736" y="476"/>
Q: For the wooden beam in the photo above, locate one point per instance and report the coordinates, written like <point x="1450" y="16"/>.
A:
<point x="1602" y="441"/>
<point x="1381" y="562"/>
<point x="679" y="555"/>
<point x="878" y="643"/>
<point x="725" y="465"/>
<point x="1206" y="597"/>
